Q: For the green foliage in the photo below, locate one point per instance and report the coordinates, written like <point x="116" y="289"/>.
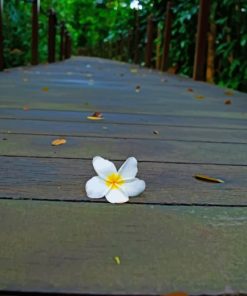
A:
<point x="107" y="28"/>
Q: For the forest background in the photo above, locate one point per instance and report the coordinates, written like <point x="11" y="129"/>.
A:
<point x="105" y="28"/>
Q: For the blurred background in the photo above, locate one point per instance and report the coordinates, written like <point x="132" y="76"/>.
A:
<point x="117" y="29"/>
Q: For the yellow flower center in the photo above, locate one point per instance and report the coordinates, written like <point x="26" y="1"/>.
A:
<point x="114" y="181"/>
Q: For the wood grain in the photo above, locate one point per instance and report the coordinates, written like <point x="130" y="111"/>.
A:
<point x="124" y="118"/>
<point x="122" y="131"/>
<point x="64" y="179"/>
<point x="70" y="248"/>
<point x="143" y="150"/>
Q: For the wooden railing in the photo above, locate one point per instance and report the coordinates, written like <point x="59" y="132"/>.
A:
<point x="53" y="24"/>
<point x="199" y="69"/>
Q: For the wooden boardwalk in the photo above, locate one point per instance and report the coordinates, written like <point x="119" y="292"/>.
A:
<point x="180" y="234"/>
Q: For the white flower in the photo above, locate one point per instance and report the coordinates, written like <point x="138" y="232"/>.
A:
<point x="115" y="185"/>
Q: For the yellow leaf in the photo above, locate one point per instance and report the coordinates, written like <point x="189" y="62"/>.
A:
<point x="199" y="97"/>
<point x="58" y="142"/>
<point x="133" y="70"/>
<point x="95" y="116"/>
<point x="229" y="93"/>
<point x="208" y="179"/>
<point x="45" y="88"/>
<point x="117" y="260"/>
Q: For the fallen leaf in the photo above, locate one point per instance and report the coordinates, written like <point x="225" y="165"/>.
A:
<point x="156" y="132"/>
<point x="26" y="108"/>
<point x="228" y="102"/>
<point x="45" y="88"/>
<point x="133" y="70"/>
<point x="138" y="88"/>
<point x="95" y="116"/>
<point x="190" y="89"/>
<point x="117" y="260"/>
<point x="58" y="142"/>
<point x="199" y="97"/>
<point x="176" y="294"/>
<point x="229" y="93"/>
<point x="4" y="139"/>
<point x="208" y="179"/>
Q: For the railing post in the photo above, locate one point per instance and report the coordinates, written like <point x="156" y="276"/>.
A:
<point x="62" y="33"/>
<point x="201" y="41"/>
<point x="67" y="46"/>
<point x="150" y="38"/>
<point x="52" y="37"/>
<point x="1" y="37"/>
<point x="35" y="31"/>
<point x="167" y="37"/>
<point x="137" y="37"/>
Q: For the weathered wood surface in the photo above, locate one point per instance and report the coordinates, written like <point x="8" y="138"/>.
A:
<point x="123" y="131"/>
<point x="65" y="247"/>
<point x="60" y="241"/>
<point x="167" y="183"/>
<point x="119" y="149"/>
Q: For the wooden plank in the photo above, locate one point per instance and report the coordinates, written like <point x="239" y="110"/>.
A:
<point x="144" y="150"/>
<point x="70" y="88"/>
<point x="122" y="131"/>
<point x="70" y="248"/>
<point x="123" y="118"/>
<point x="64" y="179"/>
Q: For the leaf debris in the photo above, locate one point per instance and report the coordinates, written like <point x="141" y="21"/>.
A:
<point x="95" y="116"/>
<point x="228" y="102"/>
<point x="117" y="260"/>
<point x="208" y="179"/>
<point x="58" y="142"/>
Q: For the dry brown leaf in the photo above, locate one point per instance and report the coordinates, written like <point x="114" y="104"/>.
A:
<point x="199" y="97"/>
<point x="138" y="88"/>
<point x="58" y="142"/>
<point x="176" y="294"/>
<point x="134" y="70"/>
<point x="208" y="179"/>
<point x="190" y="89"/>
<point x="45" y="88"/>
<point x="95" y="116"/>
<point x="229" y="93"/>
<point x="228" y="102"/>
<point x="26" y="108"/>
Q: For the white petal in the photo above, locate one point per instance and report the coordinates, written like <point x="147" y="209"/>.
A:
<point x="134" y="188"/>
<point x="116" y="196"/>
<point x="96" y="188"/>
<point x="129" y="169"/>
<point x="103" y="167"/>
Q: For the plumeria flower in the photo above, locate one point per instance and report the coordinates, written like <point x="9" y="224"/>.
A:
<point x="115" y="185"/>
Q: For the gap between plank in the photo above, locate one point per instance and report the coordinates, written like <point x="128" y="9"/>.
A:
<point x="168" y="204"/>
<point x="140" y="161"/>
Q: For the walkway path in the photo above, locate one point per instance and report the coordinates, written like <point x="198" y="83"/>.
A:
<point x="180" y="234"/>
